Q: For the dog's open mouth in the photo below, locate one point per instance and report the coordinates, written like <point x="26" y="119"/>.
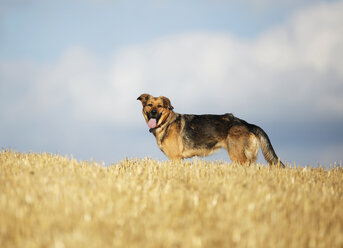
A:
<point x="153" y="118"/>
<point x="152" y="123"/>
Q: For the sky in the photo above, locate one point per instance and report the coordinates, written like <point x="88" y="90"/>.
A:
<point x="71" y="71"/>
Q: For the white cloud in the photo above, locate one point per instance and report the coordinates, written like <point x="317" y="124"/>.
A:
<point x="292" y="69"/>
<point x="295" y="68"/>
<point x="76" y="85"/>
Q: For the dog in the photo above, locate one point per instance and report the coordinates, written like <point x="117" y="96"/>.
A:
<point x="182" y="136"/>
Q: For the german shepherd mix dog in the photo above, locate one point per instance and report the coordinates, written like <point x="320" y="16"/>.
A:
<point x="183" y="136"/>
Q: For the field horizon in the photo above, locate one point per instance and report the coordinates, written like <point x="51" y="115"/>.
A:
<point x="49" y="200"/>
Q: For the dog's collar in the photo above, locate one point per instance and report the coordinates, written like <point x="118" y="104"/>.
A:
<point x="153" y="130"/>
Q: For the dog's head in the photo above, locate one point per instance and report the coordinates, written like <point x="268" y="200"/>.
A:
<point x="155" y="109"/>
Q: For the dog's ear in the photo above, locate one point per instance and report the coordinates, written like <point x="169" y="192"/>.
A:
<point x="166" y="103"/>
<point x="144" y="98"/>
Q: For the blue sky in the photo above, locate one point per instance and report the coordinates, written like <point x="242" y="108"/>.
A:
<point x="50" y="26"/>
<point x="70" y="73"/>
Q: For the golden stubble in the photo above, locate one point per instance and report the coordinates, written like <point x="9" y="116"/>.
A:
<point x="53" y="201"/>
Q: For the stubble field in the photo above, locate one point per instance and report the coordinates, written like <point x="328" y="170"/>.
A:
<point x="53" y="201"/>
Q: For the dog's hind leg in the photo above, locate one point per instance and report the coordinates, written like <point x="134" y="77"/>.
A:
<point x="251" y="148"/>
<point x="235" y="151"/>
<point x="242" y="145"/>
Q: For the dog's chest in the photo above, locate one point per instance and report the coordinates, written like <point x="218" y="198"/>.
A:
<point x="169" y="141"/>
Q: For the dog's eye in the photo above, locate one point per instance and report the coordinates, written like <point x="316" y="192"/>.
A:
<point x="159" y="106"/>
<point x="150" y="105"/>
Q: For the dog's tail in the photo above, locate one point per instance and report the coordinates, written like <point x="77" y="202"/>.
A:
<point x="266" y="146"/>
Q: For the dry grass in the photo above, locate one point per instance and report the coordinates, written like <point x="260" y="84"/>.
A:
<point x="54" y="201"/>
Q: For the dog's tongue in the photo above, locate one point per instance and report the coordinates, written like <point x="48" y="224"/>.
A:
<point x="152" y="123"/>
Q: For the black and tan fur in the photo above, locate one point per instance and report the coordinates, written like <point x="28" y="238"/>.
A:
<point x="184" y="135"/>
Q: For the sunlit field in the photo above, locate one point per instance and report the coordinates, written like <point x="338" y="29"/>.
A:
<point x="53" y="201"/>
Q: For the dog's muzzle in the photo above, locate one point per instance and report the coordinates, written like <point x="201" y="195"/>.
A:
<point x="153" y="114"/>
<point x="153" y="118"/>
